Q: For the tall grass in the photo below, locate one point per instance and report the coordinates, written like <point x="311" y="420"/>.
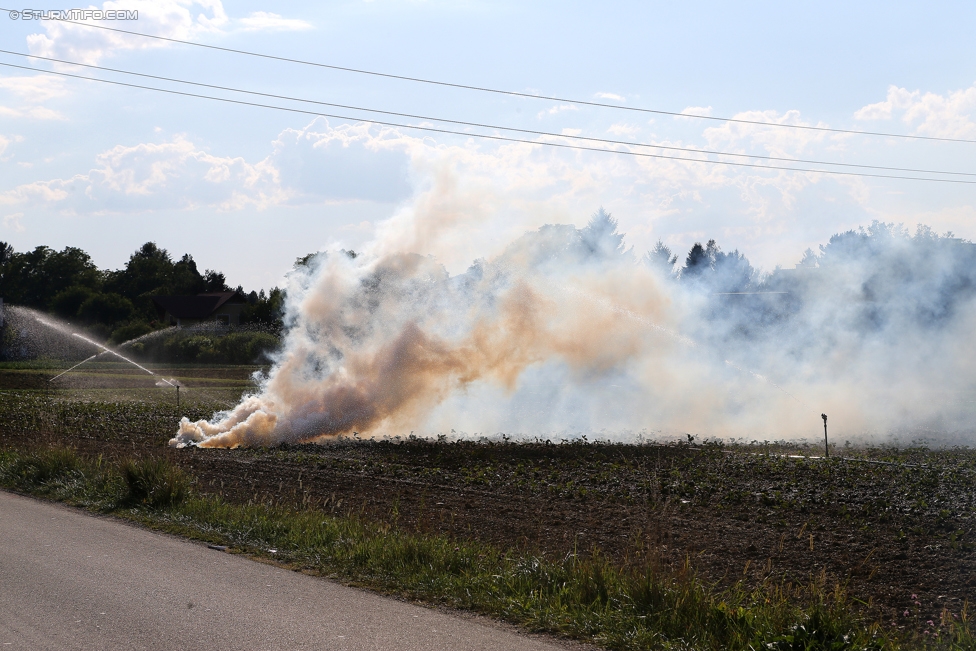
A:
<point x="582" y="596"/>
<point x="154" y="483"/>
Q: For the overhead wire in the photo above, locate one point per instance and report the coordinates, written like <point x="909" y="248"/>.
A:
<point x="611" y="141"/>
<point x="487" y="136"/>
<point x="513" y="93"/>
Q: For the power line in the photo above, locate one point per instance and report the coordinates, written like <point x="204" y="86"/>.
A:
<point x="492" y="126"/>
<point x="512" y="93"/>
<point x="486" y="136"/>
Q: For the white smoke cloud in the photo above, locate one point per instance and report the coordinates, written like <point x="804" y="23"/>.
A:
<point x="565" y="333"/>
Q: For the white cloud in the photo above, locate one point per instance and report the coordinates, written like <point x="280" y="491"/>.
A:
<point x="613" y="96"/>
<point x="620" y="129"/>
<point x="265" y="21"/>
<point x="183" y="20"/>
<point x="345" y="163"/>
<point x="168" y="18"/>
<point x="34" y="89"/>
<point x="701" y="111"/>
<point x="31" y="91"/>
<point x="153" y="176"/>
<point x="460" y="199"/>
<point x="788" y="143"/>
<point x="928" y="114"/>
<point x="33" y="112"/>
<point x="312" y="165"/>
<point x="559" y="108"/>
<point x="12" y="222"/>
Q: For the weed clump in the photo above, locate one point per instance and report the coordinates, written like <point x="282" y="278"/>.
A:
<point x="45" y="466"/>
<point x="155" y="483"/>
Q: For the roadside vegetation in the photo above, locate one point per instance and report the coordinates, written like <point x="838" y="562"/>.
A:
<point x="584" y="596"/>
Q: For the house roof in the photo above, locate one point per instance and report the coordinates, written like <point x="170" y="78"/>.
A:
<point x="196" y="307"/>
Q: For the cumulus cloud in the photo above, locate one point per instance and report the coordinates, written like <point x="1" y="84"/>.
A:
<point x="31" y="112"/>
<point x="345" y="163"/>
<point x="736" y="136"/>
<point x="312" y="165"/>
<point x="34" y="88"/>
<point x="613" y="96"/>
<point x="12" y="222"/>
<point x="701" y="111"/>
<point x="462" y="199"/>
<point x="554" y="110"/>
<point x="620" y="129"/>
<point x="928" y="114"/>
<point x="153" y="176"/>
<point x="30" y="92"/>
<point x="265" y="21"/>
<point x="175" y="19"/>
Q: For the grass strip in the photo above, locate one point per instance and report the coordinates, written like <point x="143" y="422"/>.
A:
<point x="583" y="596"/>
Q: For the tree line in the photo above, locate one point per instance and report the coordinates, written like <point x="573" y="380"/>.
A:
<point x="117" y="304"/>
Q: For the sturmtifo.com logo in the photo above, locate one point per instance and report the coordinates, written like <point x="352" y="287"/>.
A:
<point x="74" y="14"/>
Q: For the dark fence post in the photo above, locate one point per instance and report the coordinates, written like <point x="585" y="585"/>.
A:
<point x="826" y="449"/>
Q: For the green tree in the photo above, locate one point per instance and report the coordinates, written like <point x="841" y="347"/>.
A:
<point x="150" y="270"/>
<point x="106" y="309"/>
<point x="35" y="277"/>
<point x="600" y="237"/>
<point x="66" y="303"/>
<point x="661" y="258"/>
<point x="5" y="252"/>
<point x="214" y="281"/>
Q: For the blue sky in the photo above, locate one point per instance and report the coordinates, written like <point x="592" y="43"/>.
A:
<point x="248" y="190"/>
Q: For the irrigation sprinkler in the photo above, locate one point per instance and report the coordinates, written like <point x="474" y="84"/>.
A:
<point x="826" y="449"/>
<point x="177" y="397"/>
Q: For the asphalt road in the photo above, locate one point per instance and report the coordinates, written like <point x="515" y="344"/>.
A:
<point x="69" y="580"/>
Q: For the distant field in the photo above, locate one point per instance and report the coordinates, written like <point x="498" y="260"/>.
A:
<point x="220" y="386"/>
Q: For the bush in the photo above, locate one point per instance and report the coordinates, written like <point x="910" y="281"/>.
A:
<point x="130" y="331"/>
<point x="187" y="347"/>
<point x="155" y="483"/>
<point x="245" y="347"/>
